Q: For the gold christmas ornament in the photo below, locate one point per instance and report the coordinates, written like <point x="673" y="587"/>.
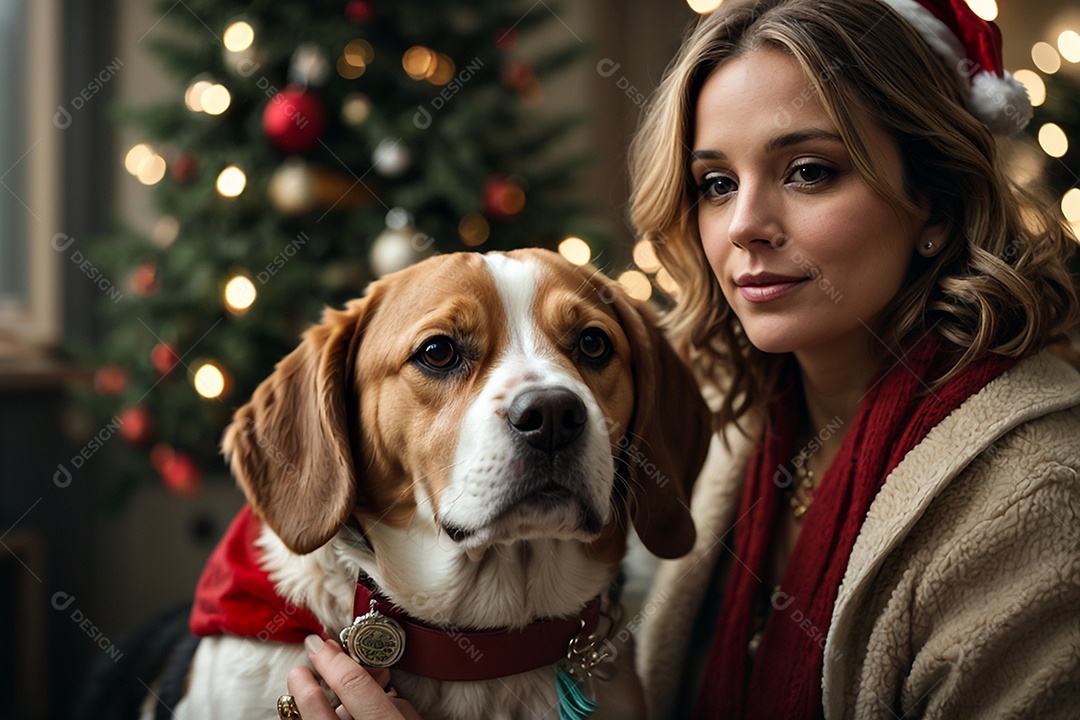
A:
<point x="298" y="187"/>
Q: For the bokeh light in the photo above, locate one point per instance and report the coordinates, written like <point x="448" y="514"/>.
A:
<point x="349" y="71"/>
<point x="239" y="293"/>
<point x="1045" y="57"/>
<point x="986" y="9"/>
<point x="666" y="282"/>
<point x="1070" y="205"/>
<point x="215" y="100"/>
<point x="444" y="70"/>
<point x="231" y="181"/>
<point x="209" y="381"/>
<point x="151" y="169"/>
<point x="1068" y="45"/>
<point x="704" y="7"/>
<point x="1053" y="141"/>
<point x="193" y="95"/>
<point x="474" y="230"/>
<point x="419" y="62"/>
<point x="238" y="37"/>
<point x="356" y="109"/>
<point x="645" y="256"/>
<point x="636" y="284"/>
<point x="359" y="53"/>
<point x="1036" y="88"/>
<point x="575" y="250"/>
<point x="135" y="156"/>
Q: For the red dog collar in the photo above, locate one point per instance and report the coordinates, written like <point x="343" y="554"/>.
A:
<point x="451" y="654"/>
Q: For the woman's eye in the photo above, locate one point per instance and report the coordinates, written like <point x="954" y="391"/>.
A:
<point x="439" y="353"/>
<point x="810" y="174"/>
<point x="594" y="345"/>
<point x="714" y="185"/>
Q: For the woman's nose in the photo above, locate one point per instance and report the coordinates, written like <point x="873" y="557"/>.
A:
<point x="754" y="218"/>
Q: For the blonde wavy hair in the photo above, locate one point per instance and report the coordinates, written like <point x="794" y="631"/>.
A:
<point x="1001" y="283"/>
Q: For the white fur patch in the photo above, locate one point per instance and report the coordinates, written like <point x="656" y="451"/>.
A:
<point x="488" y="460"/>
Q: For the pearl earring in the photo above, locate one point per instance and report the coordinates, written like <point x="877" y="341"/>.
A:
<point x="929" y="246"/>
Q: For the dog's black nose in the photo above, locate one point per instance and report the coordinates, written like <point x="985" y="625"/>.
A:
<point x="548" y="419"/>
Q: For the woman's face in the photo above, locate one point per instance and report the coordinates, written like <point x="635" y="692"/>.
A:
<point x="806" y="252"/>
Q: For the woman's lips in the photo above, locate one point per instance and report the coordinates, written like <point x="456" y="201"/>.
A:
<point x="772" y="291"/>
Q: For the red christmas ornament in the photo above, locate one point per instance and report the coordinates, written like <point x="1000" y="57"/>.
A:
<point x="502" y="198"/>
<point x="359" y="11"/>
<point x="136" y="425"/>
<point x="164" y="357"/>
<point x="144" y="279"/>
<point x="110" y="380"/>
<point x="505" y="39"/>
<point x="184" y="168"/>
<point x="160" y="454"/>
<point x="520" y="77"/>
<point x="180" y="474"/>
<point x="294" y="119"/>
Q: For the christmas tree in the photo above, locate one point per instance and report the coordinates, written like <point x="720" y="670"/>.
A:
<point x="1055" y="128"/>
<point x="312" y="146"/>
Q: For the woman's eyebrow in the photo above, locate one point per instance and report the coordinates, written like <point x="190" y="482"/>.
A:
<point x="776" y="143"/>
<point x="696" y="155"/>
<point x="794" y="138"/>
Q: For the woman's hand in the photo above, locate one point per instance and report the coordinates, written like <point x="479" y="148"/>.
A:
<point x="364" y="692"/>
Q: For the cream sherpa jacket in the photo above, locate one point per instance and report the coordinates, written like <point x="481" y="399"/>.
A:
<point x="962" y="595"/>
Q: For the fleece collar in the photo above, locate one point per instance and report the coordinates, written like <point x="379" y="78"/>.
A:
<point x="235" y="596"/>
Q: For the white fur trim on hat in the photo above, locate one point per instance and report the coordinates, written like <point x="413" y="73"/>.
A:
<point x="1000" y="102"/>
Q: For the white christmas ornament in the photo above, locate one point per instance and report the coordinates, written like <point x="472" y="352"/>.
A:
<point x="391" y="157"/>
<point x="397" y="249"/>
<point x="292" y="188"/>
<point x="397" y="218"/>
<point x="309" y="66"/>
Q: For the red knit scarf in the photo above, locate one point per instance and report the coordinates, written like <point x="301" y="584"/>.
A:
<point x="893" y="417"/>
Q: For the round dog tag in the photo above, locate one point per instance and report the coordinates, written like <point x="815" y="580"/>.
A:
<point x="374" y="640"/>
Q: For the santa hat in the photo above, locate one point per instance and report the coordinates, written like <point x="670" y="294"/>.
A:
<point x="971" y="46"/>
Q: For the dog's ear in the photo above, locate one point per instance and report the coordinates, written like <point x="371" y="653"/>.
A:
<point x="664" y="448"/>
<point x="289" y="446"/>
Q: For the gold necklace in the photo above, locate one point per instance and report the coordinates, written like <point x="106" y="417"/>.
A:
<point x="802" y="491"/>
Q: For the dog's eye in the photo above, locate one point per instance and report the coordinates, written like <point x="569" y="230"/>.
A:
<point x="439" y="353"/>
<point x="594" y="345"/>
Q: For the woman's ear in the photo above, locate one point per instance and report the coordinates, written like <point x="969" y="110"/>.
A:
<point x="664" y="448"/>
<point x="934" y="232"/>
<point x="289" y="446"/>
<point x="932" y="238"/>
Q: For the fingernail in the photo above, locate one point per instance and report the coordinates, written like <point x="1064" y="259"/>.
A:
<point x="313" y="643"/>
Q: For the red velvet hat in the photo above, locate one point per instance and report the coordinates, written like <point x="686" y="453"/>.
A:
<point x="972" y="47"/>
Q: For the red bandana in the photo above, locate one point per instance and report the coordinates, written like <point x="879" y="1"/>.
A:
<point x="893" y="417"/>
<point x="236" y="597"/>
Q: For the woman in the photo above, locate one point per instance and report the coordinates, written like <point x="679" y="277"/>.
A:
<point x="890" y="519"/>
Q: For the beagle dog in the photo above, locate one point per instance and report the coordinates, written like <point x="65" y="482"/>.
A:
<point x="473" y="439"/>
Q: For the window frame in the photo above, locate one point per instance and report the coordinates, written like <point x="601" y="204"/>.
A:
<point x="37" y="323"/>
